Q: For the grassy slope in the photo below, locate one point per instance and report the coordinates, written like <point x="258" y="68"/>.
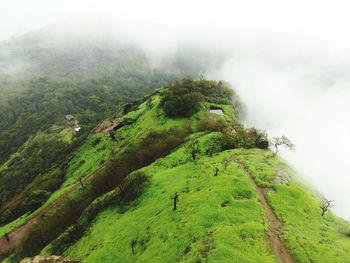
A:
<point x="310" y="237"/>
<point x="201" y="228"/>
<point x="209" y="223"/>
<point x="219" y="219"/>
<point x="87" y="159"/>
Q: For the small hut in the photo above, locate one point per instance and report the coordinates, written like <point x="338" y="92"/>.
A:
<point x="216" y="110"/>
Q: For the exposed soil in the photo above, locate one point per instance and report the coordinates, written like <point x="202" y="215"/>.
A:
<point x="106" y="126"/>
<point x="17" y="234"/>
<point x="275" y="226"/>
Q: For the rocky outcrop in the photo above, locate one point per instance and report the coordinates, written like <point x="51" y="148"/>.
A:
<point x="48" y="259"/>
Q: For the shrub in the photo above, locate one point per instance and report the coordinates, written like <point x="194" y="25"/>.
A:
<point x="48" y="228"/>
<point x="192" y="149"/>
<point x="155" y="145"/>
<point x="228" y="140"/>
<point x="129" y="190"/>
<point x="211" y="124"/>
<point x="212" y="146"/>
<point x="36" y="199"/>
<point x="180" y="103"/>
<point x="132" y="186"/>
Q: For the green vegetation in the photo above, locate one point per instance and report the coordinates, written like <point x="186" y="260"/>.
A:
<point x="209" y="224"/>
<point x="89" y="78"/>
<point x="185" y="97"/>
<point x="309" y="237"/>
<point x="37" y="170"/>
<point x="89" y="157"/>
<point x="124" y="212"/>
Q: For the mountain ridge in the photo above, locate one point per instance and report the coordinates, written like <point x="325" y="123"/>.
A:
<point x="237" y="203"/>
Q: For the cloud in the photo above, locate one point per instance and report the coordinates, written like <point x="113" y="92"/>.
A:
<point x="303" y="95"/>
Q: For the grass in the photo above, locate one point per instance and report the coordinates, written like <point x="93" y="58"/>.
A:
<point x="219" y="218"/>
<point x="309" y="237"/>
<point x="210" y="224"/>
<point x="87" y="159"/>
<point x="147" y="119"/>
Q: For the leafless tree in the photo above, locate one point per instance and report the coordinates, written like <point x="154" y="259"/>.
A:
<point x="216" y="171"/>
<point x="176" y="199"/>
<point x="326" y="205"/>
<point x="281" y="141"/>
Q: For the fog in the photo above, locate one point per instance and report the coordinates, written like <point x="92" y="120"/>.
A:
<point x="288" y="60"/>
<point x="305" y="97"/>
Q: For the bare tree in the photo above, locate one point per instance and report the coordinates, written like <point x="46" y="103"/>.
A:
<point x="176" y="199"/>
<point x="216" y="171"/>
<point x="281" y="141"/>
<point x="193" y="149"/>
<point x="326" y="205"/>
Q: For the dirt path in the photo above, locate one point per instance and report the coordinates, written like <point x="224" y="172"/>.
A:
<point x="275" y="226"/>
<point x="17" y="234"/>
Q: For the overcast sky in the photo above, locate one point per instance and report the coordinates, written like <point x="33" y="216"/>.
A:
<point x="290" y="63"/>
<point x="328" y="19"/>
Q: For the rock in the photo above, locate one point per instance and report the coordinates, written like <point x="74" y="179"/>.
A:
<point x="48" y="259"/>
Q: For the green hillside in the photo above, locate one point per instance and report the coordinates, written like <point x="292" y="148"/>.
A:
<point x="219" y="218"/>
<point x="49" y="73"/>
<point x="237" y="200"/>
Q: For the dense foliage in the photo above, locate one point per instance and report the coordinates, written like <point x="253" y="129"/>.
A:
<point x="38" y="169"/>
<point x="184" y="97"/>
<point x="45" y="102"/>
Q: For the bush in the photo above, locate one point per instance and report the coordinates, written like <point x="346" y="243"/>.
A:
<point x="228" y="140"/>
<point x="192" y="148"/>
<point x="179" y="103"/>
<point x="48" y="228"/>
<point x="36" y="199"/>
<point x="155" y="145"/>
<point x="129" y="190"/>
<point x="211" y="124"/>
<point x="132" y="186"/>
<point x="238" y="137"/>
<point x="212" y="146"/>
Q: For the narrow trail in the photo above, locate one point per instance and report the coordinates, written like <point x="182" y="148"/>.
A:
<point x="275" y="225"/>
<point x="17" y="234"/>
